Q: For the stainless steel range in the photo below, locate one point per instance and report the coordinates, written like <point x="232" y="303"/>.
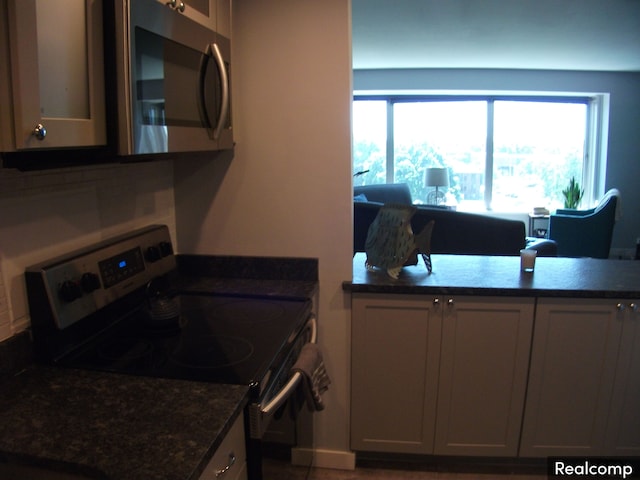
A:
<point x="114" y="306"/>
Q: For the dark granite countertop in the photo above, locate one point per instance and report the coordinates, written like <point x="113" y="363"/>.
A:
<point x="105" y="425"/>
<point x="495" y="275"/>
<point x="261" y="276"/>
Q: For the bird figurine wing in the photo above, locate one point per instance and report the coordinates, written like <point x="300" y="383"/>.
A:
<point x="390" y="240"/>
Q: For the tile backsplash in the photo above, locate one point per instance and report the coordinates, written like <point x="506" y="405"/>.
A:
<point x="47" y="213"/>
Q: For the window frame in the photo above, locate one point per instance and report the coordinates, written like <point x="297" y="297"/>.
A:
<point x="594" y="159"/>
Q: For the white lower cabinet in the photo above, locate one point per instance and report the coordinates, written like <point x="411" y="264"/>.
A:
<point x="230" y="460"/>
<point x="484" y="361"/>
<point x="623" y="428"/>
<point x="584" y="385"/>
<point x="394" y="376"/>
<point x="438" y="374"/>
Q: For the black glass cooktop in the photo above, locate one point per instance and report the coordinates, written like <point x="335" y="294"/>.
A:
<point x="198" y="337"/>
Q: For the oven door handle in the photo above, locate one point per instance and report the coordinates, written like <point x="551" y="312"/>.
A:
<point x="293" y="382"/>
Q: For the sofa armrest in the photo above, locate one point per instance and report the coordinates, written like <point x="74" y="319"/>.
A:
<point x="385" y="193"/>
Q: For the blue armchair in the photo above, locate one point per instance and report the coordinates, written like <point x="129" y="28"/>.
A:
<point x="586" y="233"/>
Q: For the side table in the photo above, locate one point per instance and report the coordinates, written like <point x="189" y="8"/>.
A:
<point x="538" y="225"/>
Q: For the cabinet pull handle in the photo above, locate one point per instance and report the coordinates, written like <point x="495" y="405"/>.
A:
<point x="633" y="307"/>
<point x="223" y="471"/>
<point x="39" y="132"/>
<point x="621" y="307"/>
<point x="436" y="302"/>
<point x="450" y="302"/>
<point x="176" y="6"/>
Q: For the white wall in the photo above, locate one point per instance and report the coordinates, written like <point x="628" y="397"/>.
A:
<point x="287" y="190"/>
<point x="47" y="213"/>
<point x="623" y="167"/>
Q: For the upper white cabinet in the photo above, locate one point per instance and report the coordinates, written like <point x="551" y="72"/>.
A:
<point x="213" y="14"/>
<point x="54" y="74"/>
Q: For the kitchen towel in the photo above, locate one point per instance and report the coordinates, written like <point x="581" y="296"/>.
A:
<point x="315" y="380"/>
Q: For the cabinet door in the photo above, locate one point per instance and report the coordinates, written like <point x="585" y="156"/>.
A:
<point x="394" y="376"/>
<point x="573" y="363"/>
<point x="483" y="375"/>
<point x="57" y="73"/>
<point x="623" y="432"/>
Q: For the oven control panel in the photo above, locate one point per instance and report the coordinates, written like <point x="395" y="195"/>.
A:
<point x="80" y="283"/>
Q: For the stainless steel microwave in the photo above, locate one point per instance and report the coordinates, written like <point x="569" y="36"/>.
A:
<point x="172" y="83"/>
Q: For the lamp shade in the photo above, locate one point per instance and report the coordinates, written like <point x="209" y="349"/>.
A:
<point x="436" y="177"/>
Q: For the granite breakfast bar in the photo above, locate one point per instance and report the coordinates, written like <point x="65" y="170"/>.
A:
<point x="500" y="275"/>
<point x="500" y="363"/>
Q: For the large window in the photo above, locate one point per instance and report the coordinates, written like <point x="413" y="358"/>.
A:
<point x="503" y="154"/>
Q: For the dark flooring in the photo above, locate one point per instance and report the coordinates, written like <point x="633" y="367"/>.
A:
<point x="282" y="470"/>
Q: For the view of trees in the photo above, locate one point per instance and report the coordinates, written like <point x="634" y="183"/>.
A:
<point x="538" y="147"/>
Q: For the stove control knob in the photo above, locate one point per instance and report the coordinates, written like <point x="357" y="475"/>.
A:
<point x="166" y="249"/>
<point x="69" y="291"/>
<point x="89" y="282"/>
<point x="152" y="254"/>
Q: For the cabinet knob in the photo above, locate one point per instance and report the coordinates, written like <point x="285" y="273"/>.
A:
<point x="450" y="302"/>
<point x="176" y="5"/>
<point x="436" y="302"/>
<point x="39" y="132"/>
<point x="633" y="307"/>
<point x="621" y="307"/>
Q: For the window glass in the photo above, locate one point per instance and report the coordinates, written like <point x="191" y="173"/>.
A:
<point x="369" y="141"/>
<point x="538" y="147"/>
<point x="442" y="134"/>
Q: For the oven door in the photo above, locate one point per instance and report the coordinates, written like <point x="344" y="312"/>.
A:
<point x="176" y="96"/>
<point x="261" y="413"/>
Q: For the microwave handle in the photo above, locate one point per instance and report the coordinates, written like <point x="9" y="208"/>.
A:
<point x="294" y="380"/>
<point x="224" y="80"/>
<point x="214" y="51"/>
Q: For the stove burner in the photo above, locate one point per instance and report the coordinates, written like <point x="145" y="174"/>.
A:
<point x="214" y="351"/>
<point x="125" y="349"/>
<point x="250" y="310"/>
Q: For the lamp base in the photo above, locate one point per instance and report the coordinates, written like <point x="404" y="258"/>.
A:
<point x="435" y="197"/>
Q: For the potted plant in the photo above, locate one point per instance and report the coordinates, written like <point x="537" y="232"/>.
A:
<point x="572" y="194"/>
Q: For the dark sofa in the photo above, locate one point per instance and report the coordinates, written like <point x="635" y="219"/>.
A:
<point x="454" y="232"/>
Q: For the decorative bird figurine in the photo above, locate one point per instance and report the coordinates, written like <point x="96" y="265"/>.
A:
<point x="391" y="244"/>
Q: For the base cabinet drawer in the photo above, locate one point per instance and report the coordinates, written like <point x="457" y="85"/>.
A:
<point x="230" y="460"/>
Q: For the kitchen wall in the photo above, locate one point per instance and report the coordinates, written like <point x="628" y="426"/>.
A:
<point x="287" y="190"/>
<point x="47" y="213"/>
<point x="623" y="167"/>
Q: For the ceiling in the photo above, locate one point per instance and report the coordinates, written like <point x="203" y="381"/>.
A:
<point x="602" y="35"/>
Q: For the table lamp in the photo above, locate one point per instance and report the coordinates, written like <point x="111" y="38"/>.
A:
<point x="436" y="177"/>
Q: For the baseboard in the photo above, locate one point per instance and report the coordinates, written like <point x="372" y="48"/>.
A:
<point x="337" y="459"/>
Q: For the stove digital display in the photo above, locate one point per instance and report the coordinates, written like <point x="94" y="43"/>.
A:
<point x="120" y="267"/>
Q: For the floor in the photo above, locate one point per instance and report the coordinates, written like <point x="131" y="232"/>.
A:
<point x="279" y="470"/>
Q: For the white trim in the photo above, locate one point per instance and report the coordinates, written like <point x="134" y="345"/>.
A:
<point x="337" y="459"/>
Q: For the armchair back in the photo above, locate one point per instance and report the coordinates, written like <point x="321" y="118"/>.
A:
<point x="586" y="233"/>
